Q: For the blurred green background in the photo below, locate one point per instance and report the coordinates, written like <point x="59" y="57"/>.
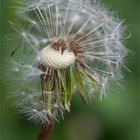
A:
<point x="114" y="118"/>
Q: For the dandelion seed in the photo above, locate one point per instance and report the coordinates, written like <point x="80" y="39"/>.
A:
<point x="34" y="22"/>
<point x="74" y="45"/>
<point x="44" y="40"/>
<point x="23" y="34"/>
<point x="34" y="110"/>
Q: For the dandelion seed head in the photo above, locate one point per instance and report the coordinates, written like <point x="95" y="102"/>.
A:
<point x="70" y="45"/>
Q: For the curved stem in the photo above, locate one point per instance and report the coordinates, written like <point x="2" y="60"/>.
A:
<point x="45" y="131"/>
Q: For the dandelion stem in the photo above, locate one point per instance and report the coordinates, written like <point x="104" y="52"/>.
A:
<point x="45" y="131"/>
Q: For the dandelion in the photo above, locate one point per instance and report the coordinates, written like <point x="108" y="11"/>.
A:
<point x="66" y="46"/>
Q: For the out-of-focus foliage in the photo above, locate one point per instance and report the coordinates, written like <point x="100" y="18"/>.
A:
<point x="114" y="118"/>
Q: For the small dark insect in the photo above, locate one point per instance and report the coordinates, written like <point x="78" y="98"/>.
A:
<point x="13" y="52"/>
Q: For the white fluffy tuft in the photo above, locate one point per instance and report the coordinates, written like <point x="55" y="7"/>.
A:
<point x="90" y="25"/>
